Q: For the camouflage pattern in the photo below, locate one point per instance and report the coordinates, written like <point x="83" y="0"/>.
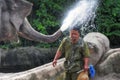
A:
<point x="74" y="55"/>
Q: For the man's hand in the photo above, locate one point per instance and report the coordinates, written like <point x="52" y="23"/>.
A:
<point x="86" y="61"/>
<point x="54" y="63"/>
<point x="58" y="54"/>
<point x="86" y="67"/>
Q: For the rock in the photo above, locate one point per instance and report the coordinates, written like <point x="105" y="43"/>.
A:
<point x="44" y="72"/>
<point x="20" y="59"/>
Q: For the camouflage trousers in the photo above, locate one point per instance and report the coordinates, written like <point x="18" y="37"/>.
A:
<point x="71" y="75"/>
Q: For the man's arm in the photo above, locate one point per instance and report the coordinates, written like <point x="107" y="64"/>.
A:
<point x="59" y="52"/>
<point x="86" y="64"/>
<point x="57" y="56"/>
<point x="86" y="58"/>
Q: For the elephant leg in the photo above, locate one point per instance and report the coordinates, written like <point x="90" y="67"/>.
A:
<point x="0" y="15"/>
<point x="0" y="19"/>
<point x="111" y="63"/>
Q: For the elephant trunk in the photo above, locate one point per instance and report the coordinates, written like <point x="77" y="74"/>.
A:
<point x="28" y="32"/>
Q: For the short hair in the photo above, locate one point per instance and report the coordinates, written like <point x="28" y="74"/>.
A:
<point x="76" y="29"/>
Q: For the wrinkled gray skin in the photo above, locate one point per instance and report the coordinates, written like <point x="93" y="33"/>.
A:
<point x="105" y="60"/>
<point x="13" y="22"/>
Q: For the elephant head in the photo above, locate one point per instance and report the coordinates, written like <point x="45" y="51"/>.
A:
<point x="13" y="22"/>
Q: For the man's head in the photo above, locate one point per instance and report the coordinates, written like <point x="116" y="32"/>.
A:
<point x="74" y="35"/>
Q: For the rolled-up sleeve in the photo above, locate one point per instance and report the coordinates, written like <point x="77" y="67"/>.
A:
<point x="62" y="46"/>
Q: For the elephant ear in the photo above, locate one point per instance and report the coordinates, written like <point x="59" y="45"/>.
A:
<point x="18" y="10"/>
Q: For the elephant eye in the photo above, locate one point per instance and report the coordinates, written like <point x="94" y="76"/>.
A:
<point x="14" y="7"/>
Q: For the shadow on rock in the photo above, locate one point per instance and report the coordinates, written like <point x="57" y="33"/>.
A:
<point x="20" y="59"/>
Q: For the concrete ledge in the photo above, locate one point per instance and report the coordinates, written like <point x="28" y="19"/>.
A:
<point x="45" y="72"/>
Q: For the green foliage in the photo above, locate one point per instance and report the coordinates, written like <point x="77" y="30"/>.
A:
<point x="47" y="14"/>
<point x="108" y="20"/>
<point x="7" y="45"/>
<point x="46" y="17"/>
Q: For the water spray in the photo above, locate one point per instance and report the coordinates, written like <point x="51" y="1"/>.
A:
<point x="81" y="15"/>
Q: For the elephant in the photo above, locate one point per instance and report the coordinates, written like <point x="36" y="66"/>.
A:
<point x="13" y="23"/>
<point x="105" y="61"/>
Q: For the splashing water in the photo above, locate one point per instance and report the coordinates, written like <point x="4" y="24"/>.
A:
<point x="82" y="16"/>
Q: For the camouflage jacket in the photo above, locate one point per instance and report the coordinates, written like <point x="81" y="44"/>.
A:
<point x="74" y="54"/>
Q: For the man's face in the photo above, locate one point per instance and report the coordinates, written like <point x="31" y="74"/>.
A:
<point x="74" y="35"/>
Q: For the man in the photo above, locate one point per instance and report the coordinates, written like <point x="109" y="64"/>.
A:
<point x="76" y="54"/>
